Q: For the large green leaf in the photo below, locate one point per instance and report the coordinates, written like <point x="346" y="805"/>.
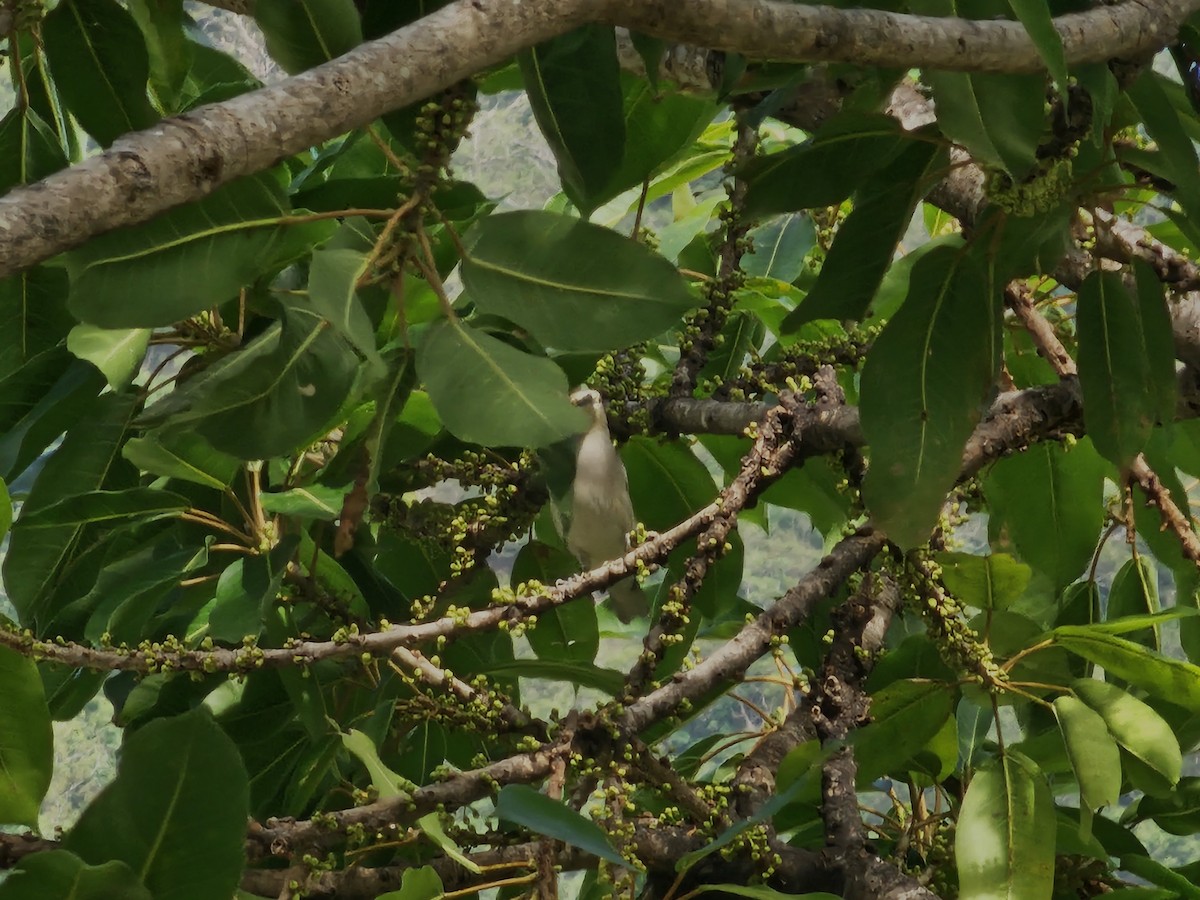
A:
<point x="146" y="276"/>
<point x="184" y="456"/>
<point x="80" y="464"/>
<point x="1113" y="369"/>
<point x="923" y="388"/>
<point x="780" y="247"/>
<point x="1158" y="342"/>
<point x="118" y="353"/>
<point x="60" y="875"/>
<point x="100" y="67"/>
<point x="488" y="392"/>
<point x="1092" y="750"/>
<point x="905" y="717"/>
<point x="27" y="749"/>
<point x="865" y="243"/>
<point x="1171" y="679"/>
<point x="658" y="127"/>
<point x="29" y="149"/>
<point x="131" y="589"/>
<point x="1162" y="122"/>
<point x="824" y="170"/>
<point x="301" y="34"/>
<point x="574" y="86"/>
<point x="997" y="118"/>
<point x="273" y="396"/>
<point x="573" y="285"/>
<point x="524" y="806"/>
<point x="106" y="506"/>
<point x="33" y="315"/>
<point x="1035" y="15"/>
<point x="38" y="402"/>
<point x="1048" y="501"/>
<point x="417" y="884"/>
<point x="180" y="796"/>
<point x="1178" y="813"/>
<point x="163" y="26"/>
<point x="985" y="582"/>
<point x="1136" y="727"/>
<point x="1004" y="841"/>
<point x="1134" y="592"/>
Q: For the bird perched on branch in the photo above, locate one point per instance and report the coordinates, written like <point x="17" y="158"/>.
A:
<point x="601" y="511"/>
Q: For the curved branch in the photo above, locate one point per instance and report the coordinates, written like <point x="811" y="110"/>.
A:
<point x="769" y="29"/>
<point x="187" y="157"/>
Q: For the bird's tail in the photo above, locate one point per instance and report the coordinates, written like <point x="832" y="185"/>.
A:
<point x="628" y="600"/>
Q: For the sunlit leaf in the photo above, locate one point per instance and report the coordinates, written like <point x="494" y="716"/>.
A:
<point x="573" y="285"/>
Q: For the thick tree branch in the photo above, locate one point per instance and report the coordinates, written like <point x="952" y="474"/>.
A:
<point x="187" y="157"/>
<point x="769" y="29"/>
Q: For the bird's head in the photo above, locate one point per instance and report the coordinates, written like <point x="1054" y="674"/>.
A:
<point x="590" y="402"/>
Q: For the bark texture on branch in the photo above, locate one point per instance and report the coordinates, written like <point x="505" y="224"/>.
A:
<point x="187" y="157"/>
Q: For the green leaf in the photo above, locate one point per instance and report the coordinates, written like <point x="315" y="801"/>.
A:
<point x="1039" y="25"/>
<point x="1004" y="842"/>
<point x="145" y="276"/>
<point x="80" y="464"/>
<point x="276" y="394"/>
<point x="317" y="501"/>
<point x="1177" y="813"/>
<point x="1092" y="750"/>
<point x="417" y="884"/>
<point x="106" y="506"/>
<point x="1158" y="342"/>
<point x="905" y="717"/>
<point x="40" y="401"/>
<point x="824" y="170"/>
<point x="658" y="127"/>
<point x="62" y="875"/>
<point x="247" y="590"/>
<point x="1125" y="624"/>
<point x="924" y="386"/>
<point x="27" y="750"/>
<point x="524" y="806"/>
<point x="180" y="795"/>
<point x="865" y="243"/>
<point x="6" y="510"/>
<point x="118" y="353"/>
<point x="1171" y="679"/>
<point x="33" y="316"/>
<point x="100" y="66"/>
<point x="574" y="86"/>
<point x="573" y="285"/>
<point x="1163" y="124"/>
<point x="568" y="632"/>
<point x="487" y="392"/>
<point x="985" y="582"/>
<point x="301" y="34"/>
<point x="185" y="456"/>
<point x="386" y="782"/>
<point x="780" y="247"/>
<point x="1134" y="592"/>
<point x="29" y="149"/>
<point x="1113" y="369"/>
<point x="130" y="589"/>
<point x="997" y="118"/>
<point x="431" y="825"/>
<point x="1136" y="727"/>
<point x="163" y="26"/>
<point x="1048" y="500"/>
<point x="1156" y="873"/>
<point x="332" y="289"/>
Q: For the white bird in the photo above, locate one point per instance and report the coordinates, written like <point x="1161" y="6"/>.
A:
<point x="601" y="511"/>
